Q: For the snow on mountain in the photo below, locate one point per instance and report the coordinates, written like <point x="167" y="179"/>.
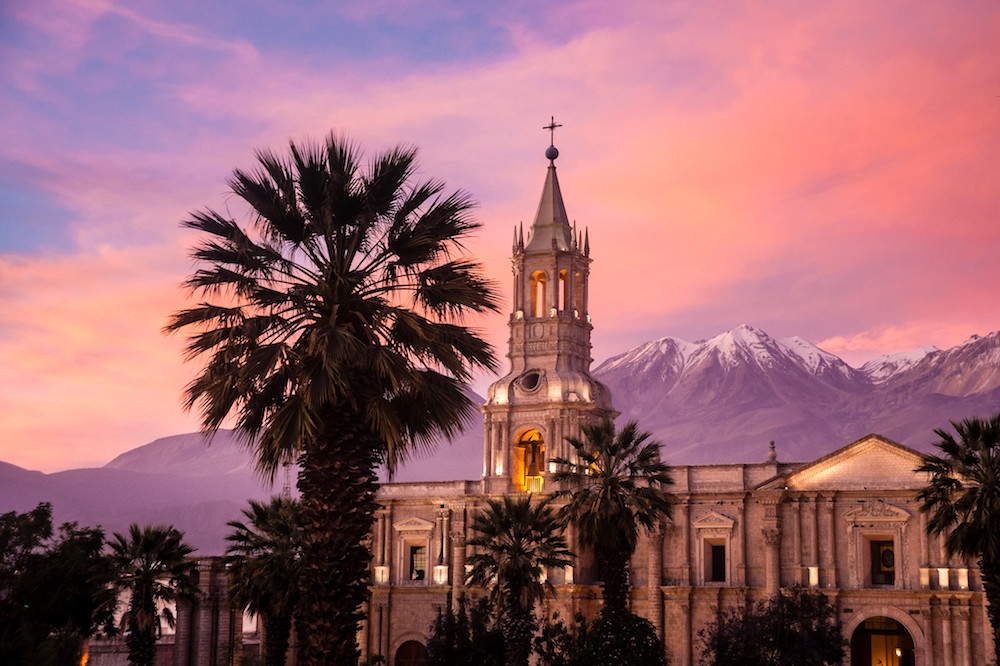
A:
<point x="670" y="356"/>
<point x="883" y="368"/>
<point x="813" y="357"/>
<point x="723" y="399"/>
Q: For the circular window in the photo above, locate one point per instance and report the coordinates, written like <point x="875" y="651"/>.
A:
<point x="529" y="380"/>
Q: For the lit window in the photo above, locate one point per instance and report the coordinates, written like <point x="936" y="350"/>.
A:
<point x="883" y="563"/>
<point x="418" y="562"/>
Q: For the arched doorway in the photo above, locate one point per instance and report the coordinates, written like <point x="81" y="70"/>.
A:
<point x="529" y="462"/>
<point x="411" y="653"/>
<point x="881" y="641"/>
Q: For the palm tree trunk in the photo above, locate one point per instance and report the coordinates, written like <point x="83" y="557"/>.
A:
<point x="990" y="572"/>
<point x="518" y="629"/>
<point x="141" y="646"/>
<point x="277" y="629"/>
<point x="338" y="486"/>
<point x="614" y="575"/>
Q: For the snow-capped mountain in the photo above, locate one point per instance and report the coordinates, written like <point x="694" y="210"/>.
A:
<point x="724" y="399"/>
<point x="713" y="401"/>
<point x="885" y="367"/>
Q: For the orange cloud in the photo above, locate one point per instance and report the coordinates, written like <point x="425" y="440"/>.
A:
<point x="827" y="171"/>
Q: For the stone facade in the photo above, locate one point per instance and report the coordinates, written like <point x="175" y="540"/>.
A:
<point x="206" y="633"/>
<point x="847" y="524"/>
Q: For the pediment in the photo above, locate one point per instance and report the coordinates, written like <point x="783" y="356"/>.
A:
<point x="876" y="511"/>
<point x="413" y="524"/>
<point x="871" y="463"/>
<point x="713" y="520"/>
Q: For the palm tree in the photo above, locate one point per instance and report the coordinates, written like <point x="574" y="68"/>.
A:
<point x="515" y="541"/>
<point x="264" y="554"/>
<point x="963" y="495"/>
<point x="618" y="486"/>
<point x="151" y="565"/>
<point x="335" y="336"/>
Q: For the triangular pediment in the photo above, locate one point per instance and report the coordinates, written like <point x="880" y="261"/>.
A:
<point x="413" y="524"/>
<point x="871" y="463"/>
<point x="713" y="520"/>
<point x="876" y="511"/>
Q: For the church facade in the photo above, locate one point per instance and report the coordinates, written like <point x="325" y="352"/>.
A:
<point x="847" y="525"/>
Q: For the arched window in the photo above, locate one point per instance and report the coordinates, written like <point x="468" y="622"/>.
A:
<point x="529" y="462"/>
<point x="411" y="653"/>
<point x="538" y="280"/>
<point x="563" y="291"/>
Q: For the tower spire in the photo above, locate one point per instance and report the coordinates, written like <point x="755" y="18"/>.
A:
<point x="551" y="229"/>
<point x="549" y="393"/>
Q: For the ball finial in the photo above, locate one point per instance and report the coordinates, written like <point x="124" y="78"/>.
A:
<point x="551" y="152"/>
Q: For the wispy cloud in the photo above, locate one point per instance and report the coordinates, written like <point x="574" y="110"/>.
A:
<point x="826" y="170"/>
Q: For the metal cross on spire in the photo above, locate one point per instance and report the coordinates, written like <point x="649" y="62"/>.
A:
<point x="551" y="127"/>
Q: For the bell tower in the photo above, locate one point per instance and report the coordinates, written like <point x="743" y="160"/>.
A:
<point x="549" y="391"/>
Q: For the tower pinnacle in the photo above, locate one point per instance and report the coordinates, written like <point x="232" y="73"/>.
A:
<point x="551" y="153"/>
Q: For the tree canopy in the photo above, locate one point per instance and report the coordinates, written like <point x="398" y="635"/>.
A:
<point x="962" y="499"/>
<point x="333" y="334"/>
<point x="617" y="486"/>
<point x="53" y="588"/>
<point x="795" y="627"/>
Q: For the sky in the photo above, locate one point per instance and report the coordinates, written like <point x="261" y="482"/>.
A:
<point x="829" y="170"/>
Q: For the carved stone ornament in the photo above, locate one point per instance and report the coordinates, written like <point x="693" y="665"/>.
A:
<point x="413" y="524"/>
<point x="876" y="511"/>
<point x="713" y="523"/>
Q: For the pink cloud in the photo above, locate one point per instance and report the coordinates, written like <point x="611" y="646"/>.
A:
<point x="831" y="167"/>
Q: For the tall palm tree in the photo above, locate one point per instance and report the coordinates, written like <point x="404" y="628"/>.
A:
<point x="335" y="335"/>
<point x="963" y="495"/>
<point x="264" y="554"/>
<point x="151" y="565"/>
<point x="618" y="485"/>
<point x="515" y="541"/>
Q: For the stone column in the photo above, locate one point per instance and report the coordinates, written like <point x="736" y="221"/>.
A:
<point x="457" y="566"/>
<point x="653" y="578"/>
<point x="684" y="525"/>
<point x="487" y="446"/>
<point x="965" y="636"/>
<point x="741" y="546"/>
<point x="506" y="459"/>
<point x="946" y="634"/>
<point x="814" y="532"/>
<point x="830" y="561"/>
<point x="797" y="562"/>
<point x="772" y="560"/>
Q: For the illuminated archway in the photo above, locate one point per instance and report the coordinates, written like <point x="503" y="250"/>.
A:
<point x="881" y="641"/>
<point x="529" y="461"/>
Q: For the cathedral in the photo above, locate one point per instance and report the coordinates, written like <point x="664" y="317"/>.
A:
<point x="847" y="524"/>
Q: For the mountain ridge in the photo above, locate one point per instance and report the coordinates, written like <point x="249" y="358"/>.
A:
<point x="719" y="400"/>
<point x="728" y="396"/>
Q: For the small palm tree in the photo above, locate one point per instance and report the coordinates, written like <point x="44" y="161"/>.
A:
<point x="963" y="495"/>
<point x="151" y="565"/>
<point x="515" y="541"/>
<point x="264" y="554"/>
<point x="334" y="336"/>
<point x="618" y="485"/>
